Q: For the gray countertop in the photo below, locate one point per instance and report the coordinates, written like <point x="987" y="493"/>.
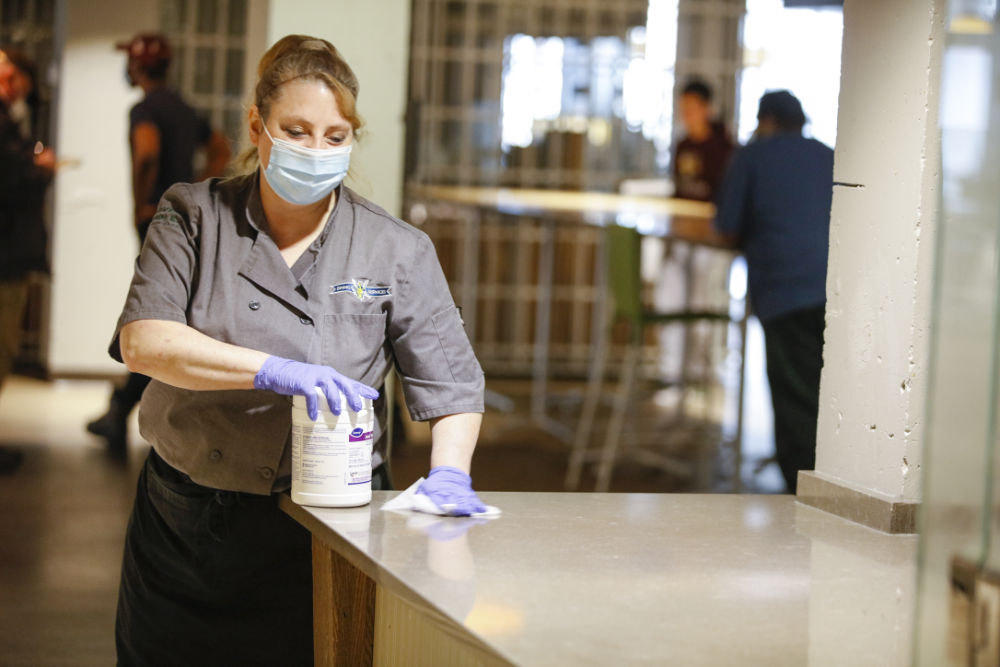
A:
<point x="644" y="579"/>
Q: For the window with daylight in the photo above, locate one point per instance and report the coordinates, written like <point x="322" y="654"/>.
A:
<point x="572" y="94"/>
<point x="208" y="38"/>
<point x="593" y="88"/>
<point x="796" y="49"/>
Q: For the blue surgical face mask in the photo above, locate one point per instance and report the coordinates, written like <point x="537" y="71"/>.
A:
<point x="301" y="175"/>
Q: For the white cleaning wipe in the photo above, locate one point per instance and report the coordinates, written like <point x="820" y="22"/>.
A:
<point x="418" y="502"/>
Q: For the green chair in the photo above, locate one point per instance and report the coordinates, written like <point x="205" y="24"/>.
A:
<point x="622" y="247"/>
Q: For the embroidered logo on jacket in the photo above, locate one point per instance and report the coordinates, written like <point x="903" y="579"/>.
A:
<point x="361" y="289"/>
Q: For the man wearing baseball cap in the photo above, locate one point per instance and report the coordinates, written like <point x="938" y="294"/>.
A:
<point x="775" y="201"/>
<point x="164" y="135"/>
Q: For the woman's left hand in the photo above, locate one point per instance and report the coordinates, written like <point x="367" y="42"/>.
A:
<point x="451" y="490"/>
<point x="292" y="378"/>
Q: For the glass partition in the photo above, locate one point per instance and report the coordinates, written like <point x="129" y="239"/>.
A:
<point x="958" y="619"/>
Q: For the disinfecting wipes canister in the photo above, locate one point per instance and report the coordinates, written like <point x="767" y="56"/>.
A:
<point x="332" y="456"/>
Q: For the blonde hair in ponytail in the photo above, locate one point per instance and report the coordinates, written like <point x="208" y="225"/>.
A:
<point x="295" y="57"/>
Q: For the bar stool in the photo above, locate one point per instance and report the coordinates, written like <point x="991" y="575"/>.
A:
<point x="624" y="286"/>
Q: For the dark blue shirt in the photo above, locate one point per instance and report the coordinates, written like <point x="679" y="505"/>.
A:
<point x="182" y="132"/>
<point x="776" y="199"/>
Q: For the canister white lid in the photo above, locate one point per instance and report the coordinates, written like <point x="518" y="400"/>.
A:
<point x="299" y="402"/>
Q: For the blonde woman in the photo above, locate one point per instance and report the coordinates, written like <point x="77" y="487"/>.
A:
<point x="249" y="290"/>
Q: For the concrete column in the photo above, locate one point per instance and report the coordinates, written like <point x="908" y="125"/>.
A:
<point x="374" y="38"/>
<point x="870" y="621"/>
<point x="879" y="283"/>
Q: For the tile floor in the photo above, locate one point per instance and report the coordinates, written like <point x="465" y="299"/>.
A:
<point x="62" y="524"/>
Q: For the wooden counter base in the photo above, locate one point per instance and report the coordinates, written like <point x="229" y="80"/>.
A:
<point x="343" y="610"/>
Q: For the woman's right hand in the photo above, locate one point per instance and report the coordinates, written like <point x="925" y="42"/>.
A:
<point x="450" y="489"/>
<point x="296" y="378"/>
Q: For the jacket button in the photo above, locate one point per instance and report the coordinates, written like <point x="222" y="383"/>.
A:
<point x="215" y="455"/>
<point x="254" y="305"/>
<point x="305" y="320"/>
<point x="265" y="472"/>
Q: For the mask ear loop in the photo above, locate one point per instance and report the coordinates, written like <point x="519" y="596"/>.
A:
<point x="264" y="126"/>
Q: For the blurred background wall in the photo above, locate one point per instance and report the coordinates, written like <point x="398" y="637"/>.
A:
<point x="93" y="242"/>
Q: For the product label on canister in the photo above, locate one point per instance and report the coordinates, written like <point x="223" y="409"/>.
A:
<point x="360" y="435"/>
<point x="359" y="466"/>
<point x="331" y="458"/>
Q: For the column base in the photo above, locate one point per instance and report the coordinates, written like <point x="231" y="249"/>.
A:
<point x="864" y="507"/>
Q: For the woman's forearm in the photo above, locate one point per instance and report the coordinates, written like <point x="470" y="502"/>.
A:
<point x="453" y="439"/>
<point x="178" y="355"/>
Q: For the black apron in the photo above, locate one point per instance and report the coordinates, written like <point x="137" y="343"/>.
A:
<point x="213" y="577"/>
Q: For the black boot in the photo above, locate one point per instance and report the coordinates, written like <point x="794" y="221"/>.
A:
<point x="113" y="427"/>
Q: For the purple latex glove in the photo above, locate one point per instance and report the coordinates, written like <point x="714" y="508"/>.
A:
<point x="451" y="490"/>
<point x="295" y="378"/>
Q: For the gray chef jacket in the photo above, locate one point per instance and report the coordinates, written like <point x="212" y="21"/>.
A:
<point x="367" y="293"/>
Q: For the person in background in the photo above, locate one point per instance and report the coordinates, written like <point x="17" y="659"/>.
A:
<point x="247" y="291"/>
<point x="164" y="135"/>
<point x="701" y="157"/>
<point x="26" y="169"/>
<point x="775" y="201"/>
<point x="688" y="274"/>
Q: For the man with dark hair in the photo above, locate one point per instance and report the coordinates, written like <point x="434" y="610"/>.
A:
<point x="164" y="132"/>
<point x="699" y="89"/>
<point x="780" y="111"/>
<point x="25" y="173"/>
<point x="775" y="201"/>
<point x="164" y="135"/>
<point x="702" y="155"/>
